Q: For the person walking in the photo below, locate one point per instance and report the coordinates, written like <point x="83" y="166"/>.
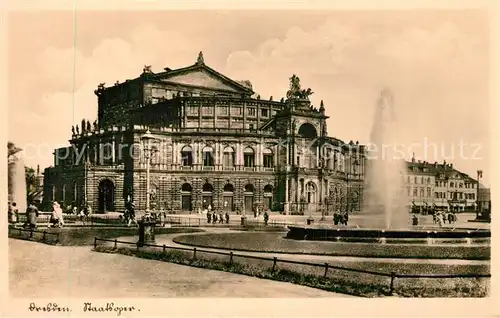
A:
<point x="32" y="216"/>
<point x="15" y="213"/>
<point x="132" y="214"/>
<point x="227" y="218"/>
<point x="266" y="218"/>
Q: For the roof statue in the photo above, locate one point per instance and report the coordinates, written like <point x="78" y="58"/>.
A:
<point x="95" y="124"/>
<point x="295" y="91"/>
<point x="99" y="89"/>
<point x="147" y="69"/>
<point x="200" y="59"/>
<point x="88" y="126"/>
<point x="73" y="130"/>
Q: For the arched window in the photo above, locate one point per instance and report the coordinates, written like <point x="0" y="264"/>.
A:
<point x="268" y="158"/>
<point x="228" y="188"/>
<point x="248" y="157"/>
<point x="186" y="187"/>
<point x="307" y="130"/>
<point x="208" y="157"/>
<point x="207" y="187"/>
<point x="228" y="157"/>
<point x="310" y="192"/>
<point x="452" y="184"/>
<point x="249" y="188"/>
<point x="187" y="156"/>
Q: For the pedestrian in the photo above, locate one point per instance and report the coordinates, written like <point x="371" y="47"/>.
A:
<point x="32" y="216"/>
<point x="15" y="213"/>
<point x="450" y="218"/>
<point x="227" y="218"/>
<point x="132" y="214"/>
<point x="415" y="219"/>
<point x="335" y="218"/>
<point x="214" y="217"/>
<point x="266" y="218"/>
<point x="209" y="217"/>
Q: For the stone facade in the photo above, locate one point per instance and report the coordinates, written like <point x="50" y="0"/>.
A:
<point x="215" y="143"/>
<point x="439" y="185"/>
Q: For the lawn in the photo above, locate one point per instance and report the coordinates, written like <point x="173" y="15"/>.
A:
<point x="80" y="236"/>
<point x="276" y="243"/>
<point x="338" y="280"/>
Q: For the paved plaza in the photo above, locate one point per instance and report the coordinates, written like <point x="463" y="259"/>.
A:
<point x="39" y="270"/>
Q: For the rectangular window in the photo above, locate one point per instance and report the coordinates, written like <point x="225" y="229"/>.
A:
<point x="228" y="159"/>
<point x="208" y="159"/>
<point x="222" y="111"/>
<point x="251" y="111"/>
<point x="236" y="111"/>
<point x="429" y="192"/>
<point x="422" y="194"/>
<point x="249" y="160"/>
<point x="187" y="158"/>
<point x="415" y="192"/>
<point x="207" y="111"/>
<point x="268" y="161"/>
<point x="265" y="112"/>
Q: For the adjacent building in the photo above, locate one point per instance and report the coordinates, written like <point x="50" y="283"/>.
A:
<point x="441" y="186"/>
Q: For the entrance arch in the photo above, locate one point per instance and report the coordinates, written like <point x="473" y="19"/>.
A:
<point x="227" y="197"/>
<point x="207" y="195"/>
<point x="268" y="197"/>
<point x="186" y="197"/>
<point x="249" y="189"/>
<point x="106" y="196"/>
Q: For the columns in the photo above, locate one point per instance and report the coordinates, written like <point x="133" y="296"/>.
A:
<point x="113" y="151"/>
<point x="175" y="155"/>
<point x="317" y="156"/>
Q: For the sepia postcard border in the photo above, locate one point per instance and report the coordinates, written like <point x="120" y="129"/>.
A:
<point x="335" y="307"/>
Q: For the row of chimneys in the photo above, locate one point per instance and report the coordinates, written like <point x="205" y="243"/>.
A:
<point x="435" y="163"/>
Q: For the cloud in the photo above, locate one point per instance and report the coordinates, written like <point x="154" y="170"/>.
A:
<point x="62" y="82"/>
<point x="437" y="72"/>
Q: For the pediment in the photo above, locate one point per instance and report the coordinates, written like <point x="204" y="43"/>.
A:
<point x="202" y="78"/>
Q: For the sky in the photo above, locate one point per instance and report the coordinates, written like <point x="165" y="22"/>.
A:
<point x="436" y="64"/>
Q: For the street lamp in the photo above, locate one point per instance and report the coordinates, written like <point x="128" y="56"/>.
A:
<point x="146" y="225"/>
<point x="146" y="138"/>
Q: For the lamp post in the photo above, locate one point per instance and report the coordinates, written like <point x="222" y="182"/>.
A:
<point x="147" y="137"/>
<point x="146" y="225"/>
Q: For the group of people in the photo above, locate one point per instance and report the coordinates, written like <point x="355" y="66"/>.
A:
<point x="340" y="218"/>
<point x="213" y="217"/>
<point x="441" y="217"/>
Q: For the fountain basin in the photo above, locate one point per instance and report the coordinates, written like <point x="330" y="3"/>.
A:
<point x="376" y="235"/>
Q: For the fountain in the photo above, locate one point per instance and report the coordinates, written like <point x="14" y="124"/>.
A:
<point x="16" y="178"/>
<point x="385" y="215"/>
<point x="385" y="203"/>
